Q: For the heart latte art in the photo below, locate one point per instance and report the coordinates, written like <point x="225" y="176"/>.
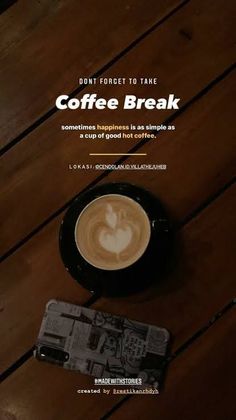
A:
<point x="112" y="232"/>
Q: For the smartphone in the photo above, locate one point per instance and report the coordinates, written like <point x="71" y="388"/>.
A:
<point x="102" y="345"/>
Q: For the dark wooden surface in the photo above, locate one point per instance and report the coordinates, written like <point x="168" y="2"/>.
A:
<point x="187" y="71"/>
<point x="37" y="263"/>
<point x="192" y="51"/>
<point x="63" y="41"/>
<point x="200" y="383"/>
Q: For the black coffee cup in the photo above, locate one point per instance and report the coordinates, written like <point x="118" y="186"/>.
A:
<point x="129" y="279"/>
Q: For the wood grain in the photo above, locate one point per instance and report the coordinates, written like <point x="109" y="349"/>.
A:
<point x="200" y="157"/>
<point x="41" y="391"/>
<point x="29" y="170"/>
<point x="200" y="383"/>
<point x="26" y="286"/>
<point x="5" y="4"/>
<point x="200" y="285"/>
<point x="20" y="21"/>
<point x="201" y="280"/>
<point x="71" y="42"/>
<point x="199" y="131"/>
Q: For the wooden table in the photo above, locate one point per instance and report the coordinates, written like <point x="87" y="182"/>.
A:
<point x="190" y="46"/>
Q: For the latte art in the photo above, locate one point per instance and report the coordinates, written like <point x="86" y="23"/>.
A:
<point x="112" y="232"/>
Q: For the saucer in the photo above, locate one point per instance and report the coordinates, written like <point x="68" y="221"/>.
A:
<point x="120" y="282"/>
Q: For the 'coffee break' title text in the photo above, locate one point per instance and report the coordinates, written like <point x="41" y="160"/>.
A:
<point x="91" y="101"/>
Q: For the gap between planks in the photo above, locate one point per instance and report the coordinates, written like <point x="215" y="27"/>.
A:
<point x="170" y="119"/>
<point x="79" y="89"/>
<point x="5" y="4"/>
<point x="27" y="355"/>
<point x="199" y="333"/>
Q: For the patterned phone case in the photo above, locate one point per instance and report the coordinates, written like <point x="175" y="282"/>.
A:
<point x="101" y="344"/>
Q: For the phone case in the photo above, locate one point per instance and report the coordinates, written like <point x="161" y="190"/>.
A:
<point x="101" y="344"/>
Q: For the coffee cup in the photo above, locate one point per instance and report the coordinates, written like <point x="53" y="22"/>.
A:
<point x="114" y="239"/>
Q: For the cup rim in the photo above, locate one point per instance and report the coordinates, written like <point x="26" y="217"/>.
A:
<point x="140" y="254"/>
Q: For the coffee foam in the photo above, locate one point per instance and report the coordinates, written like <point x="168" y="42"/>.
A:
<point x="112" y="232"/>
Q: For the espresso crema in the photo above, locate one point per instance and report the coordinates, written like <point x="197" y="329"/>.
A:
<point x="112" y="232"/>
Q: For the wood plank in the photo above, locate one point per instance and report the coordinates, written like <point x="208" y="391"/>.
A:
<point x="42" y="391"/>
<point x="26" y="286"/>
<point x="35" y="163"/>
<point x="20" y="21"/>
<point x="201" y="281"/>
<point x="200" y="157"/>
<point x="200" y="383"/>
<point x="181" y="152"/>
<point x="5" y="4"/>
<point x="197" y="290"/>
<point x="67" y="44"/>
